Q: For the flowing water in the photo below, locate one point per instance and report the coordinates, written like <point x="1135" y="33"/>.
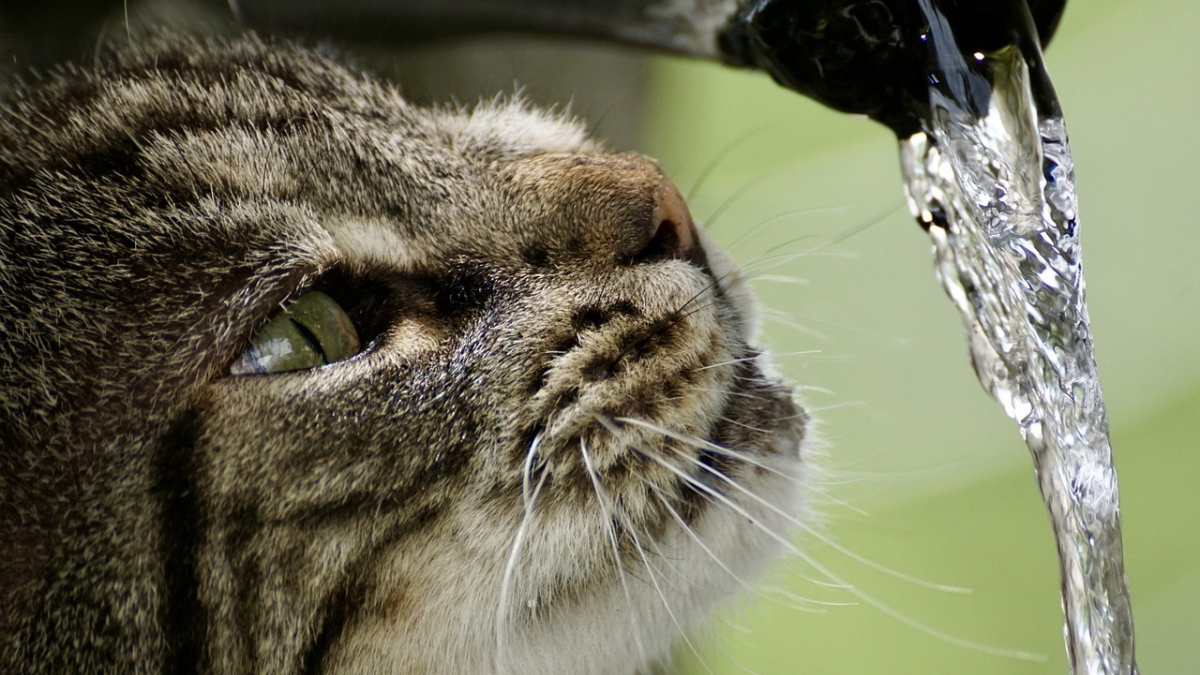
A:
<point x="989" y="175"/>
<point x="995" y="190"/>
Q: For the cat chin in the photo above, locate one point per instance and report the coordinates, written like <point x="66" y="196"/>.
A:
<point x="620" y="626"/>
<point x="624" y="627"/>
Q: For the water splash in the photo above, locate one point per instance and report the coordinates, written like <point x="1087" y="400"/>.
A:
<point x="995" y="189"/>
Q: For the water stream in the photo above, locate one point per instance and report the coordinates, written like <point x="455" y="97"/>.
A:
<point x="995" y="190"/>
<point x="989" y="176"/>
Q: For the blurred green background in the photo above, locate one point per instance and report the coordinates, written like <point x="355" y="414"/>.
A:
<point x="937" y="482"/>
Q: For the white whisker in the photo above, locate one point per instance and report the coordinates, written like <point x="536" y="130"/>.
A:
<point x="666" y="502"/>
<point x="725" y="501"/>
<point x="849" y="232"/>
<point x="785" y="320"/>
<point x="755" y="357"/>
<point x="720" y="156"/>
<point x="740" y="394"/>
<point x="776" y="260"/>
<point x="719" y="449"/>
<point x="747" y="458"/>
<point x="529" y="498"/>
<point x="610" y="514"/>
<point x="780" y="279"/>
<point x="824" y="539"/>
<point x="730" y="420"/>
<point x="840" y="583"/>
<point x="847" y="329"/>
<point x="711" y="222"/>
<point x="730" y="362"/>
<point x="836" y="406"/>
<point x="701" y="444"/>
<point x="708" y="288"/>
<point x="650" y="568"/>
<point x="785" y="217"/>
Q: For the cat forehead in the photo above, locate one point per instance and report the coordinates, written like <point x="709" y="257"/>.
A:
<point x="172" y="84"/>
<point x="506" y="129"/>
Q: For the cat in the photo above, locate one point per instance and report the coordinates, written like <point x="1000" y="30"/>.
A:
<point x="302" y="378"/>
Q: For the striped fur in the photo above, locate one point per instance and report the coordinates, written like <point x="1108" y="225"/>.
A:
<point x="374" y="515"/>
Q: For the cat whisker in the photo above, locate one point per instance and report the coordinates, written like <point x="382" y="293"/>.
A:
<point x="776" y="260"/>
<point x="714" y="218"/>
<point x="797" y="599"/>
<point x="743" y="457"/>
<point x="649" y="566"/>
<point x="666" y="502"/>
<point x="840" y="583"/>
<point x="778" y="219"/>
<point x="611" y="104"/>
<point x="529" y="497"/>
<point x="751" y="427"/>
<point x="650" y="569"/>
<point x="780" y="279"/>
<point x="821" y="537"/>
<point x="609" y="514"/>
<point x="825" y="246"/>
<point x="784" y="318"/>
<point x="836" y="406"/>
<point x="822" y="248"/>
<point x="720" y="157"/>
<point x="714" y="285"/>
<point x="719" y="498"/>
<point x="740" y="394"/>
<point x="708" y="288"/>
<point x="729" y="362"/>
<point x="748" y="458"/>
<point x="128" y="26"/>
<point x="680" y="315"/>
<point x="701" y="444"/>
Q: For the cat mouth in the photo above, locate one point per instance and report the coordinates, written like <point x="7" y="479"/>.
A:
<point x="656" y="390"/>
<point x="685" y="374"/>
<point x="626" y="366"/>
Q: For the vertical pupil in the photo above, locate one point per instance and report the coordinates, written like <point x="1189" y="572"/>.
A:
<point x="311" y="331"/>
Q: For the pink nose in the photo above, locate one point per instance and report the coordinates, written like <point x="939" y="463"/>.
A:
<point x="674" y="232"/>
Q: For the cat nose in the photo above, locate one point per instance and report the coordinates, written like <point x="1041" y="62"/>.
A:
<point x="601" y="208"/>
<point x="672" y="231"/>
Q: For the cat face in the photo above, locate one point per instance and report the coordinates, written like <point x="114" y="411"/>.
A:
<point x="552" y="449"/>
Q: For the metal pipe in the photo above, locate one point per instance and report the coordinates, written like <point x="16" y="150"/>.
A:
<point x="689" y="27"/>
<point x="857" y="56"/>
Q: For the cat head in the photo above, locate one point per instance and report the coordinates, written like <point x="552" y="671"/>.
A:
<point x="531" y="433"/>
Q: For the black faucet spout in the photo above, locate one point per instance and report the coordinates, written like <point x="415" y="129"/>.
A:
<point x="880" y="57"/>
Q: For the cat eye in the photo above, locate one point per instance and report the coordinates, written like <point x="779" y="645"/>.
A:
<point x="310" y="331"/>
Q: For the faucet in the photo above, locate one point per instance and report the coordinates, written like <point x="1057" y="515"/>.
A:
<point x="871" y="57"/>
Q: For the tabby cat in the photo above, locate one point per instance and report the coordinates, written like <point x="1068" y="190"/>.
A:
<point x="300" y="378"/>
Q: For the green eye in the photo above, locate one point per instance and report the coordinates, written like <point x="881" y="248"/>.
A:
<point x="311" y="331"/>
